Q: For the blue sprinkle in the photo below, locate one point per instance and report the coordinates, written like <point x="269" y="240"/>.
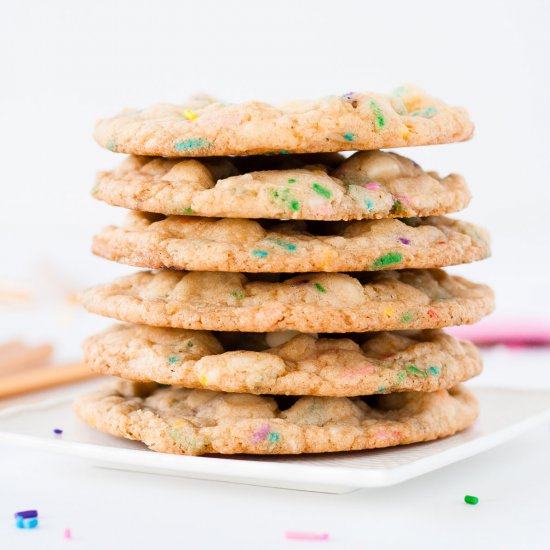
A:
<point x="428" y="112"/>
<point x="349" y="137"/>
<point x="259" y="253"/>
<point x="193" y="143"/>
<point x="57" y="431"/>
<point x="26" y="523"/>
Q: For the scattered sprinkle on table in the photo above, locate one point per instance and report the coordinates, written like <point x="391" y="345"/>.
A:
<point x="26" y="519"/>
<point x="469" y="499"/>
<point x="27" y="514"/>
<point x="57" y="431"/>
<point x="300" y="535"/>
<point x="67" y="534"/>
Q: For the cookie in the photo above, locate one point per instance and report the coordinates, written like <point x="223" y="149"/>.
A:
<point x="367" y="185"/>
<point x="196" y="422"/>
<point x="322" y="302"/>
<point x="287" y="363"/>
<point x="232" y="244"/>
<point x="354" y="121"/>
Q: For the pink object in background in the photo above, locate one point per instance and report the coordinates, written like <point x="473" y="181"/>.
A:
<point x="512" y="333"/>
<point x="299" y="535"/>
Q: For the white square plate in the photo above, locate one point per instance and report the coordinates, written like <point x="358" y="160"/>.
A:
<point x="505" y="413"/>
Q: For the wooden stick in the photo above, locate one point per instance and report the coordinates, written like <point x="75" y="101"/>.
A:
<point x="13" y="293"/>
<point x="15" y="356"/>
<point x="42" y="378"/>
<point x="11" y="347"/>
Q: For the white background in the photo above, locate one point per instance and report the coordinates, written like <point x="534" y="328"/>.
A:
<point x="64" y="64"/>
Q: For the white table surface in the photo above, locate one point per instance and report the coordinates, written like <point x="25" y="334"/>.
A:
<point x="115" y="509"/>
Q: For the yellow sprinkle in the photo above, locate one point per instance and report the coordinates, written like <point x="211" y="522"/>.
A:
<point x="319" y="172"/>
<point x="328" y="258"/>
<point x="388" y="312"/>
<point x="406" y="134"/>
<point x="189" y="114"/>
<point x="203" y="380"/>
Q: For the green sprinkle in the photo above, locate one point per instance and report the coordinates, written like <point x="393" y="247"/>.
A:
<point x="193" y="143"/>
<point x="428" y="112"/>
<point x="379" y="121"/>
<point x="189" y="442"/>
<point x="188" y="211"/>
<point x="414" y="370"/>
<point x="111" y="145"/>
<point x="259" y="253"/>
<point x="407" y="317"/>
<point x="284" y="197"/>
<point x="433" y="370"/>
<point x="282" y="244"/>
<point x="239" y="294"/>
<point x="320" y="287"/>
<point x="469" y="499"/>
<point x="273" y="438"/>
<point x="283" y="152"/>
<point x="349" y="137"/>
<point x="323" y="191"/>
<point x="397" y="207"/>
<point x="387" y="259"/>
<point x="401" y="376"/>
<point x="381" y="389"/>
<point x="291" y="180"/>
<point x="173" y="359"/>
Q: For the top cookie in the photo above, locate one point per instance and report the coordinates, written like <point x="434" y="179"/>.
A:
<point x="353" y="121"/>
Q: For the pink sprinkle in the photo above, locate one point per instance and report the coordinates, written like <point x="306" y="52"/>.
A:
<point x="260" y="435"/>
<point x="403" y="199"/>
<point x="372" y="186"/>
<point x="300" y="535"/>
<point x="366" y="369"/>
<point x="67" y="533"/>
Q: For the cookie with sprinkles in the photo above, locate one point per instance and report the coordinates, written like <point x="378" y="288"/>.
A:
<point x="286" y="363"/>
<point x="313" y="302"/>
<point x="233" y="244"/>
<point x="197" y="422"/>
<point x="352" y="121"/>
<point x="367" y="185"/>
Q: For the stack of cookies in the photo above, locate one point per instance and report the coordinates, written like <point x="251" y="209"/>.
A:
<point x="293" y="301"/>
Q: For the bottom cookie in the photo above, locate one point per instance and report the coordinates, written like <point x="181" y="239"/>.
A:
<point x="196" y="422"/>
